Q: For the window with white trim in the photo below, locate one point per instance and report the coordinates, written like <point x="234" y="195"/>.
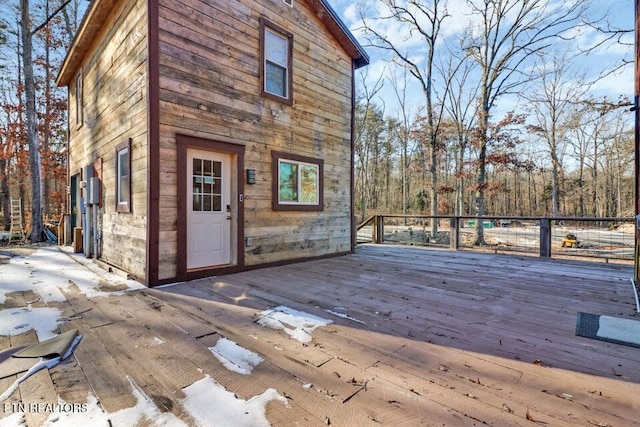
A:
<point x="123" y="177"/>
<point x="78" y="95"/>
<point x="276" y="49"/>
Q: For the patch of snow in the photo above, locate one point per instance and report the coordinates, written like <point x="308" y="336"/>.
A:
<point x="144" y="412"/>
<point x="344" y="316"/>
<point x="32" y="273"/>
<point x="90" y="415"/>
<point x="14" y="321"/>
<point x="53" y="270"/>
<point x="207" y="402"/>
<point x="14" y="420"/>
<point x="46" y="272"/>
<point x="210" y="404"/>
<point x="297" y="324"/>
<point x="234" y="357"/>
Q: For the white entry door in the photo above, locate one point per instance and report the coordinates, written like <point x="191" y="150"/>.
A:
<point x="208" y="209"/>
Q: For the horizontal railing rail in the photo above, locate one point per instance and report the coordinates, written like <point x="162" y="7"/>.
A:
<point x="601" y="237"/>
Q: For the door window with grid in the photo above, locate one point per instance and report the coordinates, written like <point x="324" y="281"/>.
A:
<point x="207" y="186"/>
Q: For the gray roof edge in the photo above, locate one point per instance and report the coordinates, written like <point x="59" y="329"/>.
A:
<point x="364" y="57"/>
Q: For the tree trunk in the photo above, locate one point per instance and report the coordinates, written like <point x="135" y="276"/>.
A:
<point x="555" y="185"/>
<point x="32" y="125"/>
<point x="46" y="135"/>
<point x="483" y="125"/>
<point x="482" y="178"/>
<point x="594" y="177"/>
<point x="460" y="183"/>
<point x="581" y="207"/>
<point x="6" y="195"/>
<point x="434" y="187"/>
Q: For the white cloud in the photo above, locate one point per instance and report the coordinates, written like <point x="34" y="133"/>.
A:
<point x="460" y="18"/>
<point x="350" y="15"/>
<point x="616" y="84"/>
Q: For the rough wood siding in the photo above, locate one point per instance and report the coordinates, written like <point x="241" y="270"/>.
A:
<point x="210" y="88"/>
<point x="115" y="87"/>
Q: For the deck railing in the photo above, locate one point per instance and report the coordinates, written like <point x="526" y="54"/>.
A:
<point x="606" y="238"/>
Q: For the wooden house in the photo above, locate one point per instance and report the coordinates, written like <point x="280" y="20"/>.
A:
<point x="211" y="136"/>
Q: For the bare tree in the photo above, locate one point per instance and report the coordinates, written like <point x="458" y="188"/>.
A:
<point x="509" y="33"/>
<point x="422" y="18"/>
<point x="460" y="105"/>
<point x="365" y="114"/>
<point x="406" y="121"/>
<point x="557" y="89"/>
<point x="37" y="227"/>
<point x="610" y="34"/>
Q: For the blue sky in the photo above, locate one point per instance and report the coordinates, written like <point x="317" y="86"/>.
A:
<point x="618" y="13"/>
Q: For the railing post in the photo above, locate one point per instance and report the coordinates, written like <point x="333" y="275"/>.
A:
<point x="454" y="233"/>
<point x="545" y="238"/>
<point x="374" y="221"/>
<point x="379" y="225"/>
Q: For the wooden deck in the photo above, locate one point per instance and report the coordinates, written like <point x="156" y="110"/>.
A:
<point x="432" y="338"/>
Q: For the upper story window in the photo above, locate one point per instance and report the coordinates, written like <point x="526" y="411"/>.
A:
<point x="78" y="96"/>
<point x="123" y="176"/>
<point x="276" y="47"/>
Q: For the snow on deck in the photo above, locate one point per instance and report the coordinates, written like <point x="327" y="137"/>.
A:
<point x="385" y="336"/>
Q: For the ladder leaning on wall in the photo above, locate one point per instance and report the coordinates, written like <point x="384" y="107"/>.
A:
<point x="16" y="220"/>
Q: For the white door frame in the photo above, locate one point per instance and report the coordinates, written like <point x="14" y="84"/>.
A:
<point x="209" y="209"/>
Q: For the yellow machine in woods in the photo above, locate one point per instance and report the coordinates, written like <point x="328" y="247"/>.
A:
<point x="570" y="241"/>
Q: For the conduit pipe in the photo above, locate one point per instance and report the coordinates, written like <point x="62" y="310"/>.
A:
<point x="635" y="293"/>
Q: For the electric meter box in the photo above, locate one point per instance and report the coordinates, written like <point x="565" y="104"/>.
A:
<point x="94" y="191"/>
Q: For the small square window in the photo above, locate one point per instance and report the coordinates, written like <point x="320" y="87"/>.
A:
<point x="276" y="46"/>
<point x="297" y="182"/>
<point x="123" y="177"/>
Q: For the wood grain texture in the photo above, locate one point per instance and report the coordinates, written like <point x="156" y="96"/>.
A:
<point x="427" y="337"/>
<point x="210" y="88"/>
<point x="114" y="75"/>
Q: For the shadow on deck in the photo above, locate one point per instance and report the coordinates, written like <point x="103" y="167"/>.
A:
<point x="434" y="336"/>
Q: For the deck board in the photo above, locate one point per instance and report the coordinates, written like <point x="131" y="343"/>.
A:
<point x="438" y="337"/>
<point x="435" y="297"/>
